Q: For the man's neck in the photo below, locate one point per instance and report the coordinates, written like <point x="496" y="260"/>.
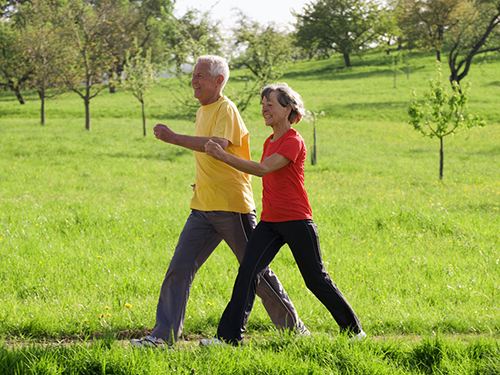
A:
<point x="211" y="100"/>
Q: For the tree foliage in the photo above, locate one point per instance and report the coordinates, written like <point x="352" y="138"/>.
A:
<point x="264" y="51"/>
<point x="14" y="68"/>
<point x="426" y="22"/>
<point x="132" y="24"/>
<point x="192" y="35"/>
<point x="343" y="26"/>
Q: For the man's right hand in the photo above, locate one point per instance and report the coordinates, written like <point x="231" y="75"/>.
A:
<point x="164" y="133"/>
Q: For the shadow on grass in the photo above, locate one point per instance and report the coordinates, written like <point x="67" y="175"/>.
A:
<point x="364" y="106"/>
<point x="493" y="151"/>
<point x="28" y="333"/>
<point x="163" y="156"/>
<point x="336" y="73"/>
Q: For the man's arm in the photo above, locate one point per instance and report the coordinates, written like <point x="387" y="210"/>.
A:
<point x="270" y="164"/>
<point x="191" y="142"/>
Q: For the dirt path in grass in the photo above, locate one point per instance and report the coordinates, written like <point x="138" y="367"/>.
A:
<point x="192" y="341"/>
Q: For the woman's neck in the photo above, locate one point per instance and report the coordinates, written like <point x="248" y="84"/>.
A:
<point x="280" y="129"/>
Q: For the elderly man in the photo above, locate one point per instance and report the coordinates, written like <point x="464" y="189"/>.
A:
<point x="222" y="208"/>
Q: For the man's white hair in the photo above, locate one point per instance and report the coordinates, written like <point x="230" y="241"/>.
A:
<point x="218" y="65"/>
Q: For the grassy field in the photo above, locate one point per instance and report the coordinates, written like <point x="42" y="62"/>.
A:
<point x="89" y="221"/>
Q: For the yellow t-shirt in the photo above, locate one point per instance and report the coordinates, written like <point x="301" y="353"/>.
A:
<point x="218" y="186"/>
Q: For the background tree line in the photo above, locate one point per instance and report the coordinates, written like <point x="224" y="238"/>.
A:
<point x="84" y="46"/>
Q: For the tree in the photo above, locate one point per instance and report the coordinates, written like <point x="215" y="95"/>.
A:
<point x="343" y="26"/>
<point x="139" y="75"/>
<point x="400" y="62"/>
<point x="441" y="114"/>
<point x="264" y="51"/>
<point x="192" y="35"/>
<point x="476" y="33"/>
<point x="428" y="21"/>
<point x="135" y="24"/>
<point x="14" y="69"/>
<point x="43" y="48"/>
<point x="91" y="58"/>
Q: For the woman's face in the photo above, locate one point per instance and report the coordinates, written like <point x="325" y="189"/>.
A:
<point x="273" y="112"/>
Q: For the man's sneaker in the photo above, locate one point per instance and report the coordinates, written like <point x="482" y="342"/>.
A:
<point x="303" y="331"/>
<point x="358" y="337"/>
<point x="214" y="341"/>
<point x="148" y="342"/>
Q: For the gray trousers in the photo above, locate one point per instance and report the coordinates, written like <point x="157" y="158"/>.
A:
<point x="203" y="231"/>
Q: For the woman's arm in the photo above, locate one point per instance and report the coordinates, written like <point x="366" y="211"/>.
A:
<point x="270" y="164"/>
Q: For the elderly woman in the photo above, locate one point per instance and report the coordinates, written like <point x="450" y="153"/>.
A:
<point x="286" y="218"/>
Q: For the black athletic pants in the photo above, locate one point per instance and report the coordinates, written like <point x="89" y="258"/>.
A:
<point x="263" y="245"/>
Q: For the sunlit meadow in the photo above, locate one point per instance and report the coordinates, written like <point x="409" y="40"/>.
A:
<point x="89" y="222"/>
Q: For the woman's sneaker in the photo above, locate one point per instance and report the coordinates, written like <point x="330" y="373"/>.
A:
<point x="358" y="337"/>
<point x="214" y="341"/>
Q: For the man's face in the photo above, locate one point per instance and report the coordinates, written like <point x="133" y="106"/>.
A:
<point x="206" y="87"/>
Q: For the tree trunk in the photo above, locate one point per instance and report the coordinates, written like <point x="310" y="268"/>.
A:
<point x="41" y="95"/>
<point x="17" y="92"/>
<point x="394" y="72"/>
<point x="347" y="59"/>
<point x="313" y="155"/>
<point x="86" y="101"/>
<point x="143" y="118"/>
<point x="118" y="71"/>
<point x="438" y="55"/>
<point x="440" y="37"/>
<point x="441" y="158"/>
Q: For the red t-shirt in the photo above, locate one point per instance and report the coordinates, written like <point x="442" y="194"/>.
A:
<point x="284" y="196"/>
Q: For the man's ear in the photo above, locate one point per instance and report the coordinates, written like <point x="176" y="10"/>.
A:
<point x="219" y="79"/>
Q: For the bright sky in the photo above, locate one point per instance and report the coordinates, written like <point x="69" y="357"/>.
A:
<point x="263" y="11"/>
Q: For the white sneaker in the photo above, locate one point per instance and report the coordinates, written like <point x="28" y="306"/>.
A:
<point x="358" y="337"/>
<point x="303" y="331"/>
<point x="148" y="342"/>
<point x="214" y="341"/>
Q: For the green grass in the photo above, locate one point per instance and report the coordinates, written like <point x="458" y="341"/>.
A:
<point x="273" y="355"/>
<point x="89" y="221"/>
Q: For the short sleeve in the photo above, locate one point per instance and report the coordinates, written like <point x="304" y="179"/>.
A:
<point x="229" y="125"/>
<point x="290" y="148"/>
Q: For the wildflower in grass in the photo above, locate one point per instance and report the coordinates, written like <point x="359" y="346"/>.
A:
<point x="128" y="306"/>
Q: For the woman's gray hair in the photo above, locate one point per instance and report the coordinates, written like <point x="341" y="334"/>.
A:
<point x="286" y="96"/>
<point x="218" y="65"/>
